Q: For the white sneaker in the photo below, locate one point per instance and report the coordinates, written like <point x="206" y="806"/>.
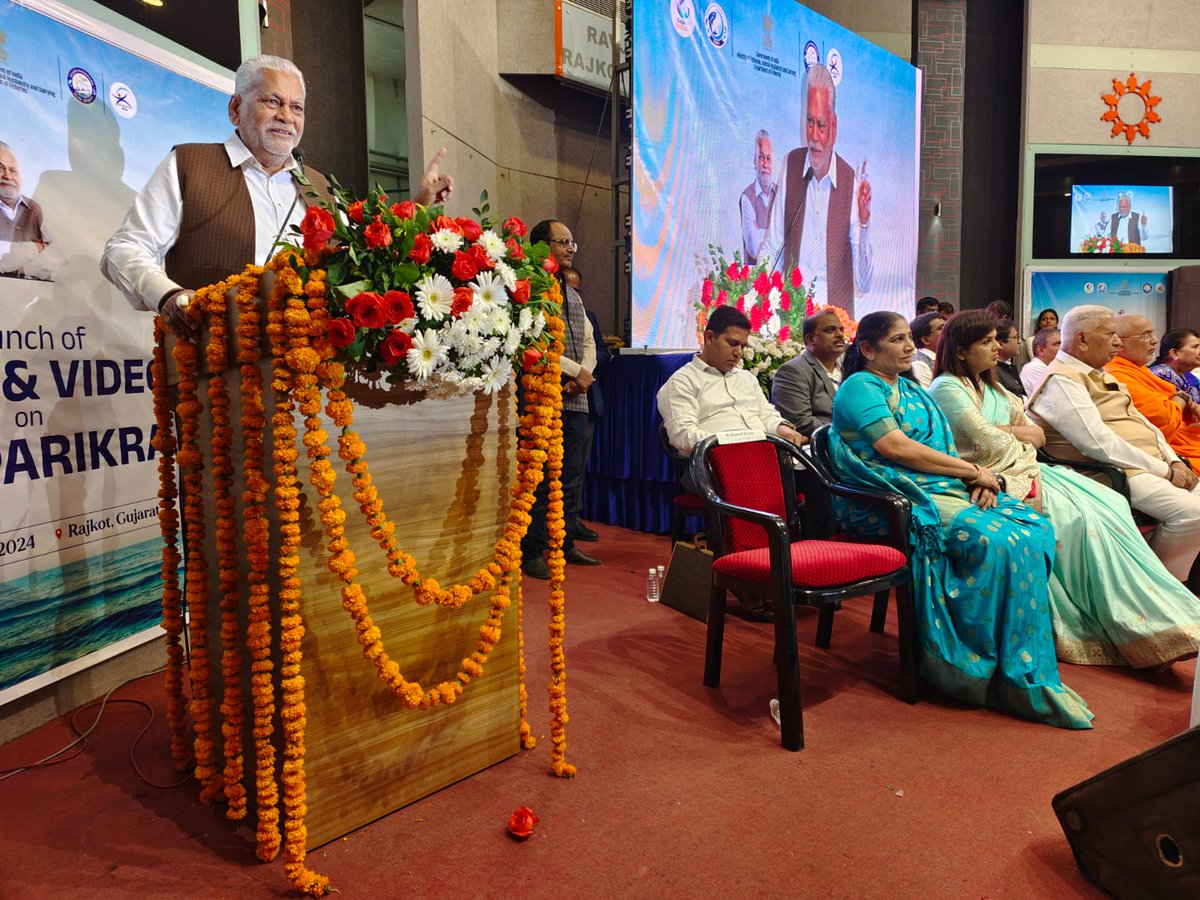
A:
<point x="774" y="707"/>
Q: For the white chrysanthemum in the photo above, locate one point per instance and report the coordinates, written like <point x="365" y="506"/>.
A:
<point x="501" y="321"/>
<point x="525" y="320"/>
<point x="496" y="373"/>
<point x="751" y="298"/>
<point x="435" y="295"/>
<point x="512" y="342"/>
<point x="446" y="240"/>
<point x="493" y="245"/>
<point x="471" y="344"/>
<point x="489" y="288"/>
<point x="507" y="275"/>
<point x="470" y="362"/>
<point x="539" y="324"/>
<point x="426" y="353"/>
<point x="478" y="318"/>
<point x="773" y="299"/>
<point x="490" y="346"/>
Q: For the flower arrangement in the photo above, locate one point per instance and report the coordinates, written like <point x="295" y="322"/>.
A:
<point x="775" y="306"/>
<point x="444" y="305"/>
<point x="1103" y="244"/>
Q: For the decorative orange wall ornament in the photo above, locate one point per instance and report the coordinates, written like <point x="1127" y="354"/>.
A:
<point x="1136" y="98"/>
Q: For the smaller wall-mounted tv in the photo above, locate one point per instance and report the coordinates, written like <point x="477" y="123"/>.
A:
<point x="1138" y="216"/>
<point x="1077" y="195"/>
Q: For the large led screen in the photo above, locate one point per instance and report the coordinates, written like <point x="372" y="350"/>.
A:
<point x="771" y="132"/>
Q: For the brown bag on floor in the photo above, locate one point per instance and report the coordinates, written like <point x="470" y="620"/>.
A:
<point x="687" y="581"/>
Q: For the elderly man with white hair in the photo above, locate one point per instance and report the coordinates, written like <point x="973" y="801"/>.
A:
<point x="211" y="209"/>
<point x="1088" y="414"/>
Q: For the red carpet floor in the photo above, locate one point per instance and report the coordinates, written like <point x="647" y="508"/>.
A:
<point x="682" y="791"/>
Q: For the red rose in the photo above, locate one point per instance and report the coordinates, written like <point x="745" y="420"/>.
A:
<point x="482" y="260"/>
<point x="445" y="223"/>
<point x="317" y="228"/>
<point x="399" y="307"/>
<point x="355" y="211"/>
<point x="422" y="249"/>
<point x="520" y="824"/>
<point x="368" y="310"/>
<point x="405" y="209"/>
<point x="341" y="332"/>
<point x="550" y="265"/>
<point x="463" y="298"/>
<point x="469" y="229"/>
<point x="377" y="234"/>
<point x="464" y="267"/>
<point x="395" y="346"/>
<point x="520" y="293"/>
<point x="530" y="358"/>
<point x="515" y="250"/>
<point x="513" y="225"/>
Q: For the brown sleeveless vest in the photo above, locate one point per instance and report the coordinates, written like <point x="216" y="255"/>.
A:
<point x="1116" y="410"/>
<point x="1134" y="234"/>
<point x="26" y="227"/>
<point x="839" y="265"/>
<point x="216" y="228"/>
<point x="762" y="216"/>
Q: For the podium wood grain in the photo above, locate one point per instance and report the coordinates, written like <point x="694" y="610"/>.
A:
<point x="443" y="470"/>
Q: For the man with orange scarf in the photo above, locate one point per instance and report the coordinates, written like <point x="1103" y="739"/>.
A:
<point x="1157" y="400"/>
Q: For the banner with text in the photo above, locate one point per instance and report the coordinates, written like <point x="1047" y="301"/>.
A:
<point x="86" y="114"/>
<point x="730" y="150"/>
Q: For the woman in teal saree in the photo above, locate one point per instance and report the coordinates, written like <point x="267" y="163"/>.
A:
<point x="980" y="559"/>
<point x="1111" y="600"/>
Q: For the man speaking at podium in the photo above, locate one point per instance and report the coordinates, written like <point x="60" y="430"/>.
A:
<point x="211" y="209"/>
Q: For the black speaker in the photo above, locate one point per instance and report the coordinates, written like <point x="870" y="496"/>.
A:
<point x="1135" y="828"/>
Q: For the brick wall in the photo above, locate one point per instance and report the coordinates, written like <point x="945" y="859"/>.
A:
<point x="941" y="43"/>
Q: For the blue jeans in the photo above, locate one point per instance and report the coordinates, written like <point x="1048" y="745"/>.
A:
<point x="537" y="538"/>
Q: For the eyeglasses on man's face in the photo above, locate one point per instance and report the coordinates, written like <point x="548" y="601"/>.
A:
<point x="565" y="242"/>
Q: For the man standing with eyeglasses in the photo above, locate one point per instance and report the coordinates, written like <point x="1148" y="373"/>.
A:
<point x="578" y="362"/>
<point x="211" y="209"/>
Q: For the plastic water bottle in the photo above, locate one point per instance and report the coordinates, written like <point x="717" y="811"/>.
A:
<point x="662" y="579"/>
<point x="652" y="586"/>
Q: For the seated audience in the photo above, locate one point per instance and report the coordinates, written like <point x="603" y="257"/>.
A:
<point x="803" y="387"/>
<point x="980" y="559"/>
<point x="927" y="305"/>
<point x="1088" y="414"/>
<point x="1045" y="347"/>
<point x="1008" y="344"/>
<point x="1178" y="355"/>
<point x="946" y="308"/>
<point x="925" y="330"/>
<point x="1111" y="600"/>
<point x="1047" y="318"/>
<point x="1170" y="411"/>
<point x="713" y="393"/>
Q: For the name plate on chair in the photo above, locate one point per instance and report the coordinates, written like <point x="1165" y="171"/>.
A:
<point x="739" y="436"/>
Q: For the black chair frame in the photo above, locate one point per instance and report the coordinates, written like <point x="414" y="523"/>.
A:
<point x="785" y="595"/>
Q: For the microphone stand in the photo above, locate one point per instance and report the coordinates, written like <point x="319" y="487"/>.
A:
<point x="298" y="155"/>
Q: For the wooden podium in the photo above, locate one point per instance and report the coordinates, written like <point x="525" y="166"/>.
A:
<point x="443" y="468"/>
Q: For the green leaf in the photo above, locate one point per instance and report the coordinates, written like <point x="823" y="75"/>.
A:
<point x="406" y="273"/>
<point x="353" y="288"/>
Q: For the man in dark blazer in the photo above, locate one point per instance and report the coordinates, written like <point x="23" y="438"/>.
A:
<point x="803" y="388"/>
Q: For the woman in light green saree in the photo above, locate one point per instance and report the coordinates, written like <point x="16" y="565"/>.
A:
<point x="1111" y="600"/>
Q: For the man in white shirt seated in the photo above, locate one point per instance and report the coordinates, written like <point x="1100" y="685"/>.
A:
<point x="1045" y="347"/>
<point x="712" y="393"/>
<point x="1089" y="414"/>
<point x="925" y="329"/>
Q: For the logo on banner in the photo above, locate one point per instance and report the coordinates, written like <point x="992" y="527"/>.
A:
<point x="683" y="17"/>
<point x="1088" y="287"/>
<point x="1102" y="288"/>
<point x="812" y="55"/>
<point x="1160" y="288"/>
<point x="81" y="85"/>
<point x="1147" y="287"/>
<point x="716" y="25"/>
<point x="3" y="52"/>
<point x="122" y="100"/>
<point x="834" y="62"/>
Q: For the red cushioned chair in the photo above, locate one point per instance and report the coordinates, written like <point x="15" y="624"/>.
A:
<point x="749" y="488"/>
<point x="684" y="504"/>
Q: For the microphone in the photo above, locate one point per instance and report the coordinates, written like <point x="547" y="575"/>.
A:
<point x="298" y="155"/>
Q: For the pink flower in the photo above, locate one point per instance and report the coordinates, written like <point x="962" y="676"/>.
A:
<point x="785" y="301"/>
<point x="745" y="273"/>
<point x="732" y="271"/>
<point x="741" y="304"/>
<point x="706" y="292"/>
<point x="721" y="297"/>
<point x="797" y="279"/>
<point x="777" y="279"/>
<point x="756" y="318"/>
<point x="762" y="283"/>
<point x="785" y="333"/>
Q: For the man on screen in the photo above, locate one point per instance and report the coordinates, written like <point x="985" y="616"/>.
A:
<point x="211" y="209"/>
<point x="1128" y="225"/>
<point x="820" y="221"/>
<point x="757" y="199"/>
<point x="27" y="249"/>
